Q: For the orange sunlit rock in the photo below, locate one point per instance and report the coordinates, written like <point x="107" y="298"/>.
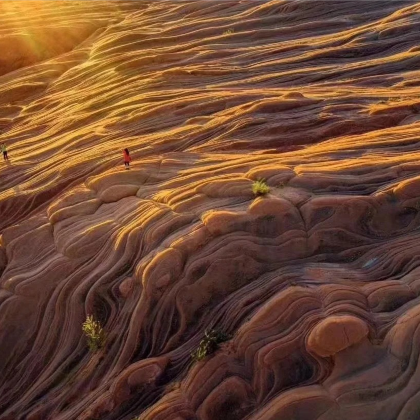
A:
<point x="272" y="200"/>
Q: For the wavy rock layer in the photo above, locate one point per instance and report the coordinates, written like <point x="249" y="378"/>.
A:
<point x="317" y="282"/>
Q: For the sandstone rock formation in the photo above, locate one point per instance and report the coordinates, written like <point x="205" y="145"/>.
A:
<point x="316" y="282"/>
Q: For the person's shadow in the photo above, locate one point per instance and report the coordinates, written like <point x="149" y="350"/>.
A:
<point x="16" y="188"/>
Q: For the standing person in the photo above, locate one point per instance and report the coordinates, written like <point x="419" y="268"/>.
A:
<point x="4" y="150"/>
<point x="127" y="158"/>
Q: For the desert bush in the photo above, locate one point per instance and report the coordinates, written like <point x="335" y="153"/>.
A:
<point x="94" y="333"/>
<point x="260" y="187"/>
<point x="209" y="344"/>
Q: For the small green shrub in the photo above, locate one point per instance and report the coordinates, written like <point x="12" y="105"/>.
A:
<point x="94" y="333"/>
<point x="260" y="187"/>
<point x="228" y="32"/>
<point x="209" y="344"/>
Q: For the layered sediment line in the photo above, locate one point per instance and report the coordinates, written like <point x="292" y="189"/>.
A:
<point x="315" y="283"/>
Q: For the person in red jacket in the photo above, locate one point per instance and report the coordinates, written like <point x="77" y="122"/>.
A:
<point x="127" y="158"/>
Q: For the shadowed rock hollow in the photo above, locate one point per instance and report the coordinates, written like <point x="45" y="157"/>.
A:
<point x="317" y="283"/>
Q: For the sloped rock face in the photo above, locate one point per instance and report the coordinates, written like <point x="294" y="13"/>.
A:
<point x="315" y="282"/>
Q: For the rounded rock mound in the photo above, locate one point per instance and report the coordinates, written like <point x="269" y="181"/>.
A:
<point x="335" y="334"/>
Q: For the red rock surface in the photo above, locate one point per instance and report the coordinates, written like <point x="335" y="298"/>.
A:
<point x="317" y="282"/>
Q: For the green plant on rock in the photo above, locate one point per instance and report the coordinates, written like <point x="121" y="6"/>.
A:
<point x="228" y="32"/>
<point x="209" y="344"/>
<point x="260" y="187"/>
<point x="94" y="333"/>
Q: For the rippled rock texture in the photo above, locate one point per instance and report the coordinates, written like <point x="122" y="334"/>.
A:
<point x="317" y="283"/>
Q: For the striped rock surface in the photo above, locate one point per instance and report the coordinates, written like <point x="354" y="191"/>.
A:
<point x="317" y="283"/>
